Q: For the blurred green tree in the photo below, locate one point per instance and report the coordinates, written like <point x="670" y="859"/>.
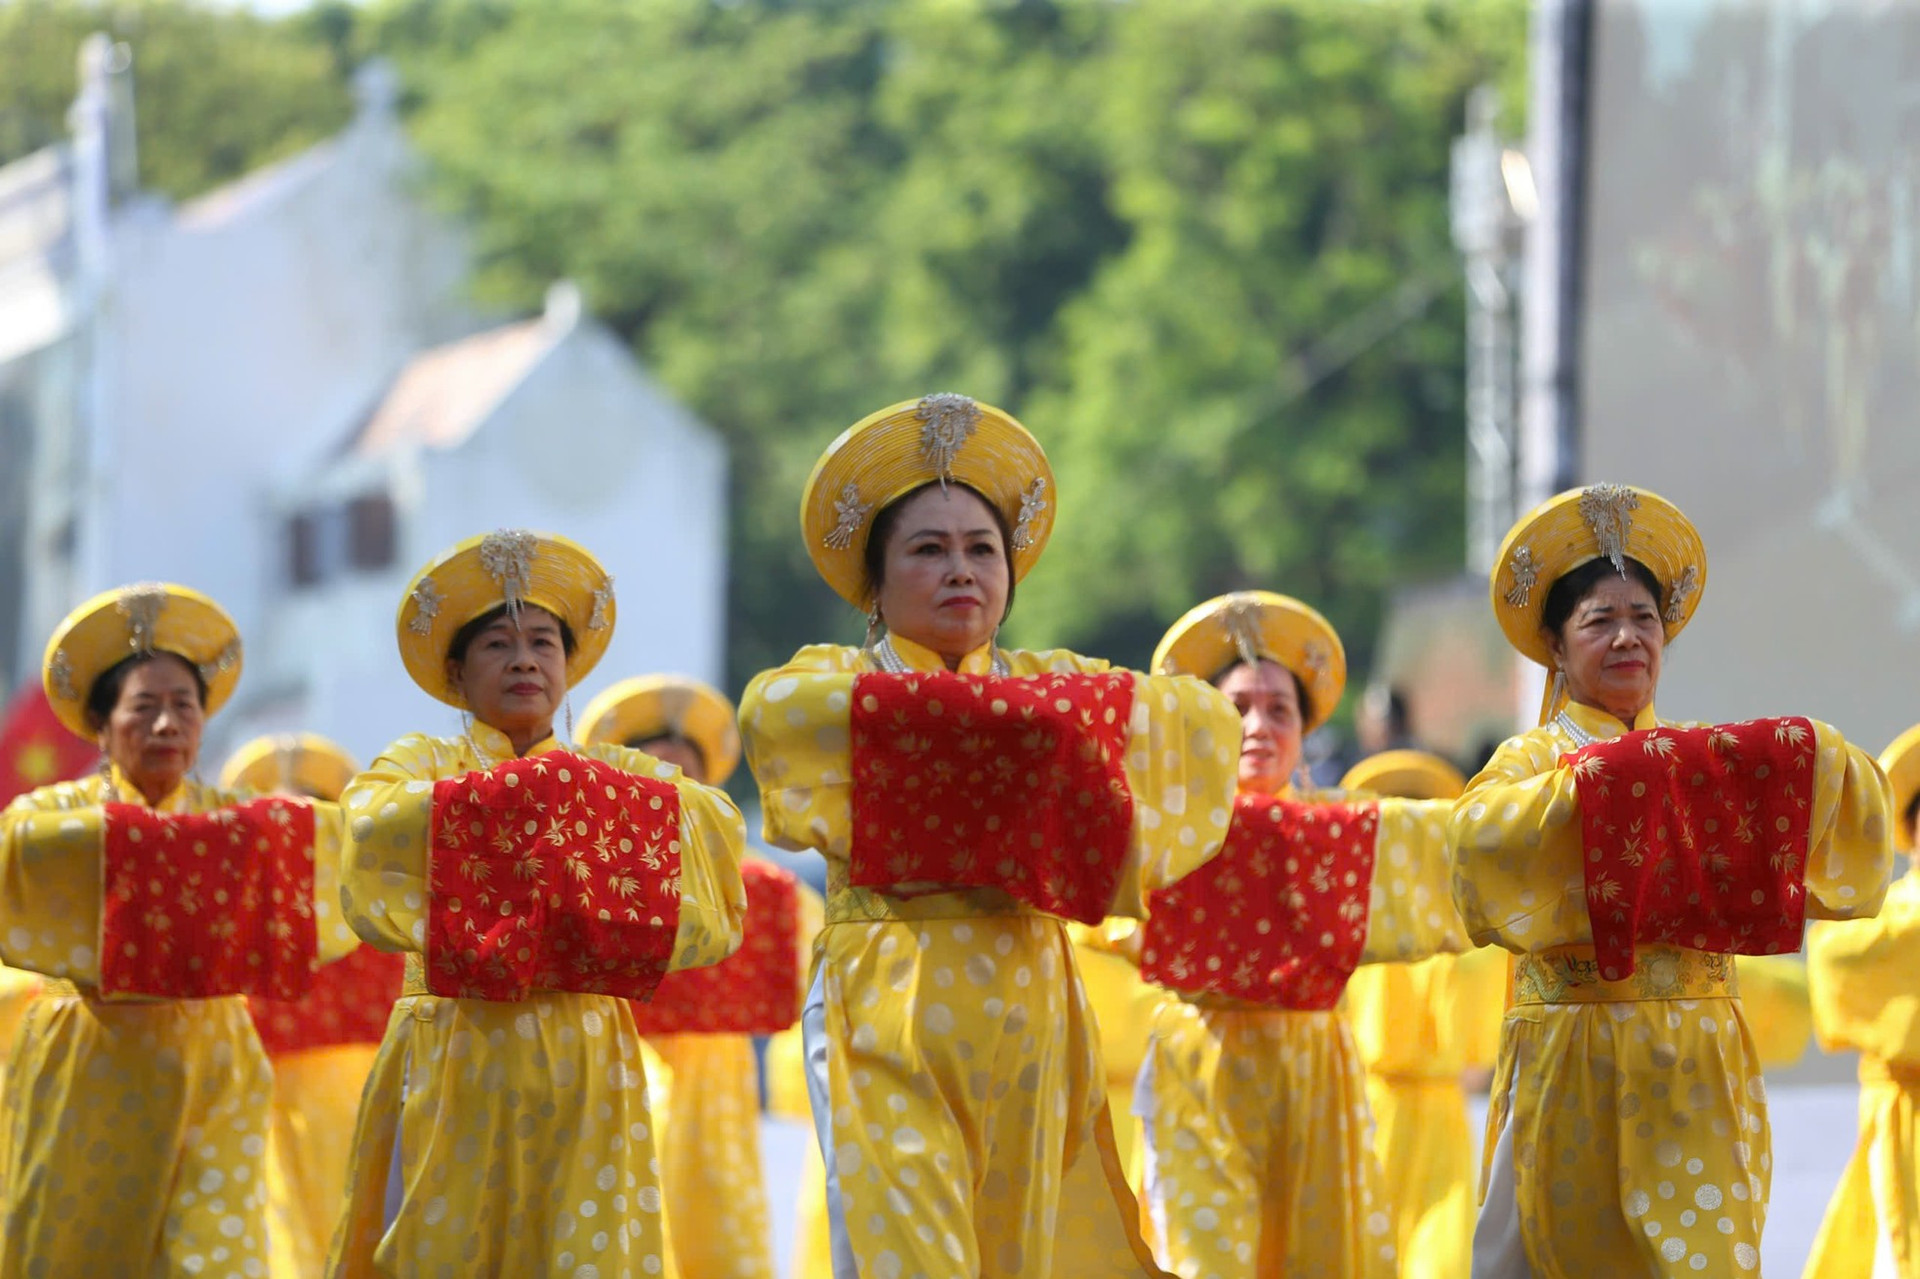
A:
<point x="1202" y="250"/>
<point x="217" y="93"/>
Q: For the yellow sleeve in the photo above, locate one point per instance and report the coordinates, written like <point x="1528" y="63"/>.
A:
<point x="1774" y="1004"/>
<point x="1412" y="916"/>
<point x="1517" y="878"/>
<point x="795" y="729"/>
<point x="50" y="842"/>
<point x="389" y="817"/>
<point x="1850" y="858"/>
<point x="336" y="939"/>
<point x="1183" y="758"/>
<point x="1864" y="979"/>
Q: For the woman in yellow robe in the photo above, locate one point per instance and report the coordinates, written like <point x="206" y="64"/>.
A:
<point x="135" y="1125"/>
<point x="513" y="1136"/>
<point x="1420" y="1028"/>
<point x="712" y="1181"/>
<point x="1863" y="977"/>
<point x="1628" y="1128"/>
<point x="1259" y="1160"/>
<point x="953" y="1061"/>
<point x="320" y="1047"/>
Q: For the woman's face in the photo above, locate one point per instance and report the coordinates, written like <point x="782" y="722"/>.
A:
<point x="153" y="732"/>
<point x="1610" y="647"/>
<point x="1271" y="724"/>
<point x="514" y="674"/>
<point x="945" y="582"/>
<point x="682" y="754"/>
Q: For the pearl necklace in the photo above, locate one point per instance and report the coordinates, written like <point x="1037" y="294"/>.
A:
<point x="890" y="661"/>
<point x="1581" y="737"/>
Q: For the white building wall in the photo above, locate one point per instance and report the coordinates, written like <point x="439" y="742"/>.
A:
<point x="248" y="336"/>
<point x="586" y="447"/>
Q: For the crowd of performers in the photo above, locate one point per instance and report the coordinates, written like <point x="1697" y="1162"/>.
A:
<point x="1101" y="984"/>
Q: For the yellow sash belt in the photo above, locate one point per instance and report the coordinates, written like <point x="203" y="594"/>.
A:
<point x="1571" y="975"/>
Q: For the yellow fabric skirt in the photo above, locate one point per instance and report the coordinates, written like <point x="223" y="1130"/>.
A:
<point x="18" y="990"/>
<point x="1425" y="1147"/>
<point x="1638" y="1117"/>
<point x="712" y="1179"/>
<point x="136" y="1140"/>
<point x="316" y="1097"/>
<point x="1877" y="1203"/>
<point x="511" y="1138"/>
<point x="1259" y="1161"/>
<point x="1123" y="1005"/>
<point x="811" y="1256"/>
<point x="970" y="1126"/>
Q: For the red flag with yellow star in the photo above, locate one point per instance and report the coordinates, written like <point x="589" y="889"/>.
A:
<point x="35" y="747"/>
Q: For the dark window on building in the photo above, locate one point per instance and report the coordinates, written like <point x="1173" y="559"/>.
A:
<point x="305" y="559"/>
<point x="370" y="531"/>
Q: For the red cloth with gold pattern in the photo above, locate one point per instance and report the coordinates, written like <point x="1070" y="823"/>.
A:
<point x="1279" y="916"/>
<point x="1696" y="837"/>
<point x="554" y="873"/>
<point x="755" y="990"/>
<point x="348" y="1004"/>
<point x="202" y="905"/>
<point x="978" y="781"/>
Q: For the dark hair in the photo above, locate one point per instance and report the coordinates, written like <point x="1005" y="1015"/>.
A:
<point x="1299" y="685"/>
<point x="1575" y="586"/>
<point x="463" y="638"/>
<point x="641" y="741"/>
<point x="875" y="552"/>
<point x="104" y="694"/>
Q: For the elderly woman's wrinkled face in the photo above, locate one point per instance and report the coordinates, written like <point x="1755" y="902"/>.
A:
<point x="1272" y="722"/>
<point x="1610" y="647"/>
<point x="514" y="674"/>
<point x="946" y="576"/>
<point x="153" y="732"/>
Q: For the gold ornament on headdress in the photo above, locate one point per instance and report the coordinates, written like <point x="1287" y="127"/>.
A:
<point x="1608" y="510"/>
<point x="849" y="514"/>
<point x="60" y="671"/>
<point x="507" y="556"/>
<point x="141" y="605"/>
<point x="1241" y="621"/>
<point x="222" y="662"/>
<point x="1525" y="574"/>
<point x="1032" y="502"/>
<point x="1679" y="593"/>
<point x="602" y="601"/>
<point x="948" y="420"/>
<point x="426" y="606"/>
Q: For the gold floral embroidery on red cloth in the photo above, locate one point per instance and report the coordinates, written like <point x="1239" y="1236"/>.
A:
<point x="978" y="781"/>
<point x="348" y="1004"/>
<point x="552" y="873"/>
<point x="1279" y="916"/>
<point x="755" y="990"/>
<point x="201" y="905"/>
<point x="1696" y="837"/>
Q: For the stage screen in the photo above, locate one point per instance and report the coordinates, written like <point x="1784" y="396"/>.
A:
<point x="1750" y="338"/>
